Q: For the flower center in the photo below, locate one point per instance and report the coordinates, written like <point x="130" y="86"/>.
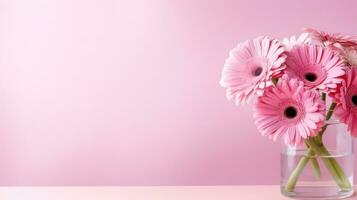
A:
<point x="310" y="77"/>
<point x="290" y="112"/>
<point x="257" y="71"/>
<point x="354" y="100"/>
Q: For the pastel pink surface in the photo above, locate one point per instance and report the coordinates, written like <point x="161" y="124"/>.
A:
<point x="126" y="92"/>
<point x="144" y="193"/>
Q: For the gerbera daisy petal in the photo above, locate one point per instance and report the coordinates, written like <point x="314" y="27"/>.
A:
<point x="333" y="40"/>
<point x="290" y="111"/>
<point x="289" y="43"/>
<point x="350" y="55"/>
<point x="318" y="67"/>
<point x="265" y="47"/>
<point x="345" y="95"/>
<point x="250" y="68"/>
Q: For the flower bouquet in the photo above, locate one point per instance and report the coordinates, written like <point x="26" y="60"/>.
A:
<point x="299" y="84"/>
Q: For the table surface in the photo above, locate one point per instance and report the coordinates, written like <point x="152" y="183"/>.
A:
<point x="144" y="193"/>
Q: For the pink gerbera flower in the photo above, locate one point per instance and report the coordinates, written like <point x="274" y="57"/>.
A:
<point x="289" y="43"/>
<point x="335" y="39"/>
<point x="350" y="56"/>
<point x="250" y="68"/>
<point x="318" y="67"/>
<point x="289" y="110"/>
<point x="346" y="99"/>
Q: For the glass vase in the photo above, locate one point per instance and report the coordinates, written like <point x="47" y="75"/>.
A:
<point x="320" y="168"/>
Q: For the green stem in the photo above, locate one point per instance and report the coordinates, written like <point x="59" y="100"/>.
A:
<point x="331" y="164"/>
<point x="318" y="138"/>
<point x="275" y="81"/>
<point x="330" y="110"/>
<point x="290" y="185"/>
<point x="314" y="164"/>
<point x="323" y="96"/>
<point x="316" y="147"/>
<point x="328" y="117"/>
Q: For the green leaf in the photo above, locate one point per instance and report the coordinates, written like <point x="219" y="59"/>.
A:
<point x="315" y="167"/>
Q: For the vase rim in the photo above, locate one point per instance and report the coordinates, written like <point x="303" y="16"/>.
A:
<point x="333" y="121"/>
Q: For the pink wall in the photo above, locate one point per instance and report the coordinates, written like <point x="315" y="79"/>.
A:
<point x="126" y="92"/>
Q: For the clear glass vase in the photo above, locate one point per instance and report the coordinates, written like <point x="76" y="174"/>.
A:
<point x="321" y="168"/>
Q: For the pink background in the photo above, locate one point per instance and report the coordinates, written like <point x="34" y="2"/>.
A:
<point x="126" y="92"/>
